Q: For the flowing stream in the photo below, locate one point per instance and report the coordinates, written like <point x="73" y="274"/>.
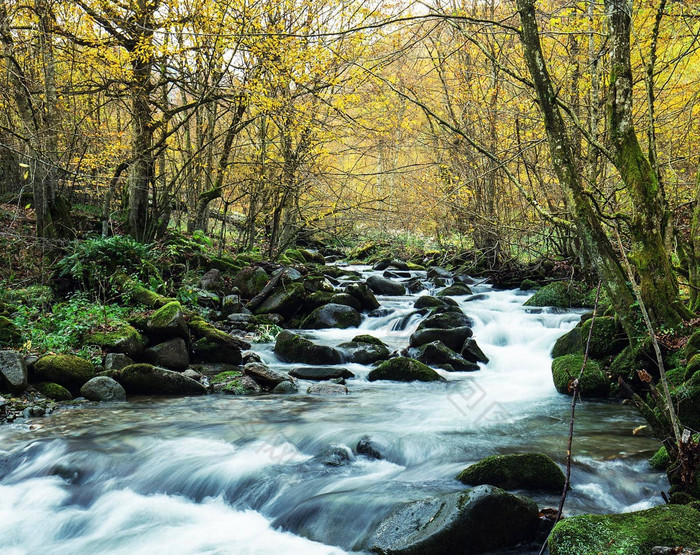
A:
<point x="246" y="475"/>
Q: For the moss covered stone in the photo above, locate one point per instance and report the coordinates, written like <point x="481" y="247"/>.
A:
<point x="607" y="339"/>
<point x="10" y="335"/>
<point x="593" y="382"/>
<point x="530" y="471"/>
<point x="692" y="347"/>
<point x="403" y="369"/>
<point x="138" y="294"/>
<point x="333" y="315"/>
<point x="627" y="534"/>
<point x="67" y="370"/>
<point x="124" y="339"/>
<point x="455" y="290"/>
<point x="152" y="380"/>
<point x="250" y="281"/>
<point x="365" y="338"/>
<point x="568" y="344"/>
<point x="54" y="391"/>
<point x="529" y="285"/>
<point x="692" y="367"/>
<point x="561" y="294"/>
<point x="660" y="460"/>
<point x="291" y="347"/>
<point x="202" y="329"/>
<point x="168" y="321"/>
<point x="244" y="385"/>
<point x="224" y="377"/>
<point x="285" y="300"/>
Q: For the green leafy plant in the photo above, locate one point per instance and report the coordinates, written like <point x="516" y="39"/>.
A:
<point x="267" y="333"/>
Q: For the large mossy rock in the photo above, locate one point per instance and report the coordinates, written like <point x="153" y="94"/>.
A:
<point x="124" y="339"/>
<point x="403" y="369"/>
<point x="168" y="321"/>
<point x="13" y="372"/>
<point x="291" y="347"/>
<point x="69" y="371"/>
<point x="632" y="359"/>
<point x="427" y="301"/>
<point x="53" y="391"/>
<point x="453" y="338"/>
<point x="285" y="300"/>
<point x="383" y="286"/>
<point x="529" y="471"/>
<point x="363" y="294"/>
<point x="692" y="368"/>
<point x="593" y="382"/>
<point x="446" y="321"/>
<point x="607" y="339"/>
<point x="364" y="349"/>
<point x="568" y="344"/>
<point x="562" y="294"/>
<point x="692" y="347"/>
<point x="438" y="354"/>
<point x="333" y="315"/>
<point x="250" y="281"/>
<point x="627" y="534"/>
<point x="204" y="330"/>
<point x="480" y="520"/>
<point x="147" y="379"/>
<point x="10" y="335"/>
<point x="455" y="290"/>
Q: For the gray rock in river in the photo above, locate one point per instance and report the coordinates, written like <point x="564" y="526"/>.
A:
<point x="472" y="352"/>
<point x="152" y="380"/>
<point x="320" y="373"/>
<point x="437" y="353"/>
<point x="103" y="388"/>
<point x="382" y="286"/>
<point x="475" y="521"/>
<point x="171" y="354"/>
<point x="291" y="347"/>
<point x="453" y="338"/>
<point x="327" y="389"/>
<point x="454" y="318"/>
<point x="263" y="375"/>
<point x="13" y="372"/>
<point x="364" y="349"/>
<point x="285" y="388"/>
<point x="402" y="369"/>
<point x="116" y="361"/>
<point x="333" y="315"/>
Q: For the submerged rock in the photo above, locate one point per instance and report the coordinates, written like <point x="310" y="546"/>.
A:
<point x="630" y="533"/>
<point x="530" y="471"/>
<point x="402" y="369"/>
<point x="475" y="521"/>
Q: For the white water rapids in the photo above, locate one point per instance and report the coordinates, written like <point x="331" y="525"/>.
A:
<point x="245" y="475"/>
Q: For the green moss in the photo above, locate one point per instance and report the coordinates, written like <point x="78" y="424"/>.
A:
<point x="239" y="387"/>
<point x="54" y="391"/>
<point x="692" y="367"/>
<point x="364" y="338"/>
<point x="531" y="471"/>
<point x="529" y="285"/>
<point x="568" y="344"/>
<point x="10" y="335"/>
<point x="415" y="267"/>
<point x="224" y="377"/>
<point x="456" y="289"/>
<point x="404" y="369"/>
<point x="67" y="370"/>
<point x="124" y="339"/>
<point x="692" y="347"/>
<point x="165" y="315"/>
<point x="138" y="294"/>
<point x="675" y="376"/>
<point x="660" y="460"/>
<point x="562" y="294"/>
<point x="627" y="534"/>
<point x="593" y="382"/>
<point x="607" y="338"/>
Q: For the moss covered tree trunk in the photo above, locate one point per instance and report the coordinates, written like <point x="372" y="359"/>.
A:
<point x="650" y="216"/>
<point x="694" y="265"/>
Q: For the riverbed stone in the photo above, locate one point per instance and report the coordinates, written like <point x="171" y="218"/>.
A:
<point x="103" y="388"/>
<point x="168" y="321"/>
<point x="364" y="295"/>
<point x="116" y="361"/>
<point x="53" y="391"/>
<point x="479" y="520"/>
<point x="171" y="354"/>
<point x="147" y="379"/>
<point x="455" y="290"/>
<point x="453" y="338"/>
<point x="404" y="369"/>
<point x="251" y="281"/>
<point x="263" y="375"/>
<point x="333" y="315"/>
<point x="438" y="354"/>
<point x="291" y="347"/>
<point x="428" y="301"/>
<point x="633" y="533"/>
<point x="369" y="448"/>
<point x="472" y="352"/>
<point x="203" y="329"/>
<point x="608" y="337"/>
<point x="69" y="371"/>
<point x="286" y="388"/>
<point x="383" y="286"/>
<point x="528" y="471"/>
<point x="285" y="299"/>
<point x="207" y="351"/>
<point x="446" y="321"/>
<point x="320" y="373"/>
<point x="593" y="382"/>
<point x="562" y="294"/>
<point x="568" y="344"/>
<point x="242" y="385"/>
<point x="123" y="339"/>
<point x="364" y="349"/>
<point x="346" y="299"/>
<point x="327" y="388"/>
<point x="13" y="372"/>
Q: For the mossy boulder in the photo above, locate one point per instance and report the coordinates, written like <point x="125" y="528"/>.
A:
<point x="333" y="316"/>
<point x="455" y="290"/>
<point x="660" y="460"/>
<point x="347" y="300"/>
<point x="364" y="349"/>
<point x="250" y="281"/>
<point x="285" y="300"/>
<point x="54" y="391"/>
<point x="364" y="295"/>
<point x="607" y="339"/>
<point x="632" y="359"/>
<point x="568" y="344"/>
<point x="146" y="379"/>
<point x="446" y="321"/>
<point x="69" y="371"/>
<point x="137" y="294"/>
<point x="529" y="285"/>
<point x="316" y="300"/>
<point x="483" y="519"/>
<point x="124" y="339"/>
<point x="243" y="385"/>
<point x="404" y="369"/>
<point x="291" y="347"/>
<point x="562" y="294"/>
<point x="692" y="347"/>
<point x="692" y="367"/>
<point x="428" y="301"/>
<point x="452" y="338"/>
<point x="688" y="402"/>
<point x="438" y="354"/>
<point x="168" y="321"/>
<point x="383" y="286"/>
<point x="627" y="534"/>
<point x="202" y="329"/>
<point x="10" y="335"/>
<point x="528" y="471"/>
<point x="567" y="368"/>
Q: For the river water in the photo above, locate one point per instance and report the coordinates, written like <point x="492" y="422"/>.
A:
<point x="246" y="475"/>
